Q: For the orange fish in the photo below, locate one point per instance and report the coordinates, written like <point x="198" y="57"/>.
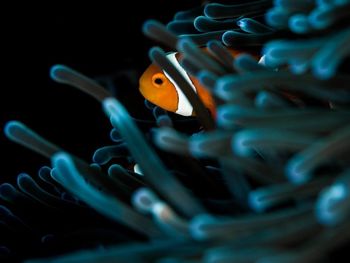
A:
<point x="160" y="89"/>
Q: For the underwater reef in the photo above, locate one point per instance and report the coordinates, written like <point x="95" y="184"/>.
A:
<point x="265" y="178"/>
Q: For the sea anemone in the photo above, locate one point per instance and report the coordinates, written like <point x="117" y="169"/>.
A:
<point x="265" y="179"/>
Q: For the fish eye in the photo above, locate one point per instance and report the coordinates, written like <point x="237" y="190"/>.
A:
<point x="158" y="80"/>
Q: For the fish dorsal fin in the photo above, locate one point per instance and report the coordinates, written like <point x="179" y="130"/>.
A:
<point x="184" y="106"/>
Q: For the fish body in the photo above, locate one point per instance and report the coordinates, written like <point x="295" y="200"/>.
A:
<point x="160" y="89"/>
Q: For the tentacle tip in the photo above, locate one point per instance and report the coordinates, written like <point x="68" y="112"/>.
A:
<point x="154" y="51"/>
<point x="323" y="72"/>
<point x="264" y="99"/>
<point x="108" y="105"/>
<point x="197" y="22"/>
<point x="4" y="211"/>
<point x="213" y="42"/>
<point x="210" y="10"/>
<point x="298" y="24"/>
<point x="328" y="212"/>
<point x="101" y="157"/>
<point x="256" y="203"/>
<point x="148" y="25"/>
<point x="5" y="189"/>
<point x="11" y="127"/>
<point x="5" y="185"/>
<point x="44" y="169"/>
<point x="184" y="42"/>
<point x="239" y="147"/>
<point x="204" y="74"/>
<point x="242" y="23"/>
<point x="96" y="158"/>
<point x="316" y="19"/>
<point x="55" y="72"/>
<point x="164" y="121"/>
<point x="195" y="148"/>
<point x="96" y="166"/>
<point x="295" y="175"/>
<point x="21" y="177"/>
<point x="269" y="17"/>
<point x="197" y="226"/>
<point x="58" y="158"/>
<point x="227" y="38"/>
<point x="143" y="199"/>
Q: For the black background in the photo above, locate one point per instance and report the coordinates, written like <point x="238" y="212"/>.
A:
<point x="95" y="39"/>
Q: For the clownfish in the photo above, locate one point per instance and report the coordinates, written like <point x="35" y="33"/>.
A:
<point x="160" y="89"/>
